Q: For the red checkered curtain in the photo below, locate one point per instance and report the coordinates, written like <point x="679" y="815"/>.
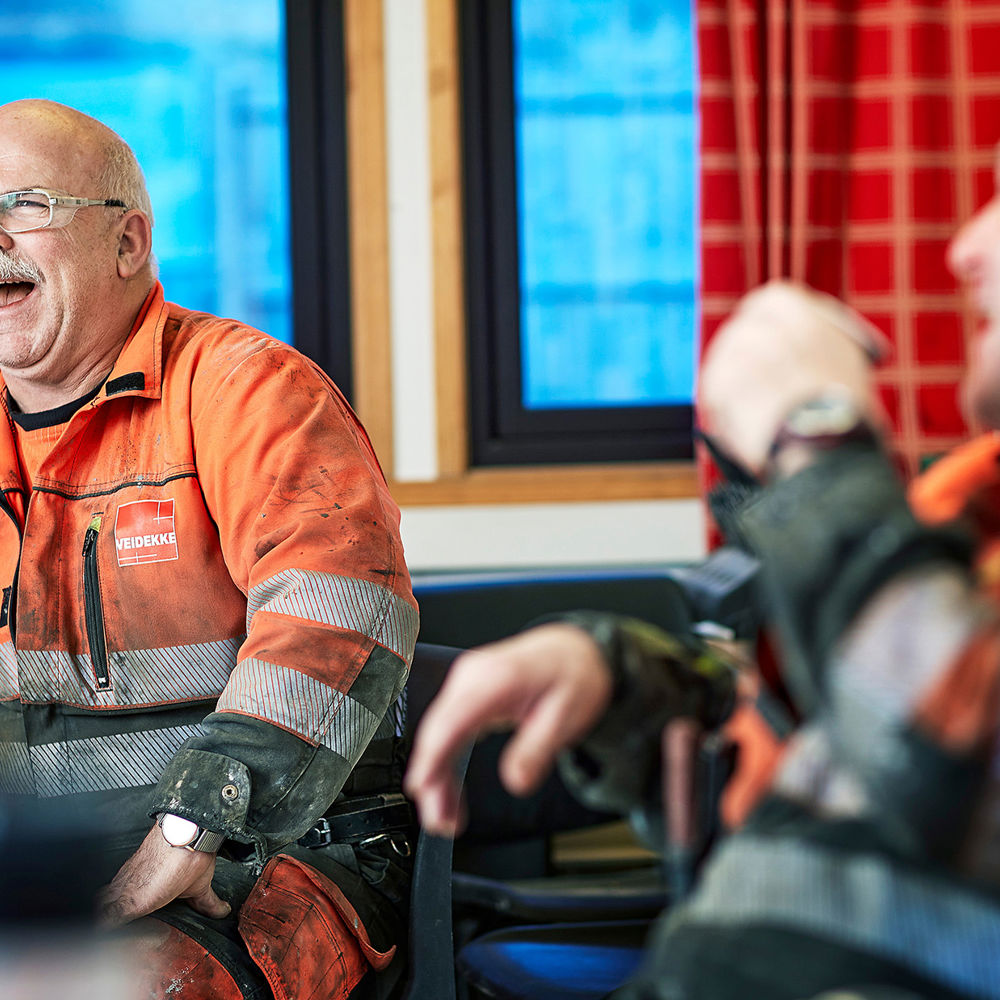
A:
<point x="841" y="145"/>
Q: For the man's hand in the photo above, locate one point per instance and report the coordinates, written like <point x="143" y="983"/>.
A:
<point x="156" y="875"/>
<point x="783" y="345"/>
<point x="550" y="684"/>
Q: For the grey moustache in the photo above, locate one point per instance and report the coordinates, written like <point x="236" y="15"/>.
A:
<point x="13" y="269"/>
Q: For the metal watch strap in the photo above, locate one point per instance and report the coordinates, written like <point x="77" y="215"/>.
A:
<point x="207" y="841"/>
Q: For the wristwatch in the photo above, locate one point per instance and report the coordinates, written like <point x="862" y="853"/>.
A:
<point x="819" y="424"/>
<point x="180" y="832"/>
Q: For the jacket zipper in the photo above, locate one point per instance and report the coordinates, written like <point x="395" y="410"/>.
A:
<point x="12" y="607"/>
<point x="94" y="606"/>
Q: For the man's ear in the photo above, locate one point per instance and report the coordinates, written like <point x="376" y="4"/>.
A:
<point x="134" y="244"/>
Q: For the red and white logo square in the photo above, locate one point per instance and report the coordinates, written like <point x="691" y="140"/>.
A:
<point x="145" y="532"/>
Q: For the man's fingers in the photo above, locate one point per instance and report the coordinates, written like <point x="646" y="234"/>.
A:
<point x="549" y="684"/>
<point x="209" y="904"/>
<point x="455" y="719"/>
<point x="432" y="782"/>
<point x="441" y="809"/>
<point x="437" y="746"/>
<point x="531" y="752"/>
<point x="558" y="720"/>
<point x="115" y="909"/>
<point x="156" y="874"/>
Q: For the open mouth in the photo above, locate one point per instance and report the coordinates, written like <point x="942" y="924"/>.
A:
<point x="15" y="291"/>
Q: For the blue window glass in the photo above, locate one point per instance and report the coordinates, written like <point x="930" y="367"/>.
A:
<point x="606" y="137"/>
<point x="198" y="91"/>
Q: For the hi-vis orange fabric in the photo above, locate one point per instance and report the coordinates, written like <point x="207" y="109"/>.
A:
<point x="305" y="935"/>
<point x="965" y="484"/>
<point x="944" y="492"/>
<point x="33" y="446"/>
<point x="760" y="754"/>
<point x="210" y="534"/>
<point x="842" y="143"/>
<point x="963" y="711"/>
<point x="168" y="963"/>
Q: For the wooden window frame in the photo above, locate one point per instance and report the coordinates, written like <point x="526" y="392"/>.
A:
<point x="457" y="482"/>
<point x="504" y="430"/>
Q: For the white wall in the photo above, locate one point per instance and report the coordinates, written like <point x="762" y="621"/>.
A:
<point x="641" y="532"/>
<point x="472" y="537"/>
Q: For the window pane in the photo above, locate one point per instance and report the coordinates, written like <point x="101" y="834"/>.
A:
<point x="606" y="156"/>
<point x="198" y="91"/>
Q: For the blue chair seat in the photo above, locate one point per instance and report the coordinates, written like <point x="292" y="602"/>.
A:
<point x="583" y="961"/>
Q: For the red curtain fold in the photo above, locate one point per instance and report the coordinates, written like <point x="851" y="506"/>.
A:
<point x="842" y="143"/>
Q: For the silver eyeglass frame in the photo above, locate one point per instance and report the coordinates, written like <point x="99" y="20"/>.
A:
<point x="57" y="201"/>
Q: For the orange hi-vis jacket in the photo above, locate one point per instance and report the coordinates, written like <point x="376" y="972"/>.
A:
<point x="204" y="590"/>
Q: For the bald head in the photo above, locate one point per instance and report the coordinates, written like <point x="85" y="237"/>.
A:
<point x="92" y="153"/>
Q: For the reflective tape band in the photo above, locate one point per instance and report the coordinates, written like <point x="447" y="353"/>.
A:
<point x="343" y="602"/>
<point x="307" y="706"/>
<point x="8" y="672"/>
<point x="122" y="760"/>
<point x="138" y="677"/>
<point x="921" y="923"/>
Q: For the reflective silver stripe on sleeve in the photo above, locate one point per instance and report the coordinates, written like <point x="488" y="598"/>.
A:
<point x="923" y="923"/>
<point x="341" y="601"/>
<point x="8" y="672"/>
<point x="122" y="760"/>
<point x="138" y="676"/>
<point x="315" y="710"/>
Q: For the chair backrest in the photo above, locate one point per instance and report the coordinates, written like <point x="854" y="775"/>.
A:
<point x="470" y="609"/>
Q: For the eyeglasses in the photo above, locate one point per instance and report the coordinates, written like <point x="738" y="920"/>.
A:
<point x="25" y="211"/>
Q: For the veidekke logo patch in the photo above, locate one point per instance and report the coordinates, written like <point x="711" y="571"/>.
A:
<point x="145" y="532"/>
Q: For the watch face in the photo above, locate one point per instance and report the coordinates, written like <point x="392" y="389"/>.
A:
<point x="177" y="831"/>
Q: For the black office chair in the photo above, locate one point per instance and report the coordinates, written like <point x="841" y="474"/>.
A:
<point x="503" y="867"/>
<point x="611" y="918"/>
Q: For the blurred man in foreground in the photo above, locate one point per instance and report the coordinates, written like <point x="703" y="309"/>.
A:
<point x="868" y="851"/>
<point x="205" y="612"/>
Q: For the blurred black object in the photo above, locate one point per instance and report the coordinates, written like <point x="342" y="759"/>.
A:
<point x="721" y="592"/>
<point x="53" y="864"/>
